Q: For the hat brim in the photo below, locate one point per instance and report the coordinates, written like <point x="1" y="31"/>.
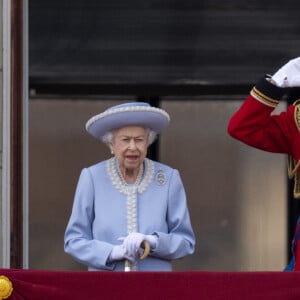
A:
<point x="151" y="118"/>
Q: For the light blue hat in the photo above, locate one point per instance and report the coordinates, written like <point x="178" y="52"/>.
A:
<point x="127" y="114"/>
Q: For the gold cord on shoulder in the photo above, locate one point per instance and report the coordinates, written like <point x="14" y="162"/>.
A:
<point x="292" y="167"/>
<point x="296" y="186"/>
<point x="293" y="173"/>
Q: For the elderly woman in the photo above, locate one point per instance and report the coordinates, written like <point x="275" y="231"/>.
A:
<point x="129" y="204"/>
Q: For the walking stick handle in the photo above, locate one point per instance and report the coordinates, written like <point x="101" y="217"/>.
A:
<point x="146" y="246"/>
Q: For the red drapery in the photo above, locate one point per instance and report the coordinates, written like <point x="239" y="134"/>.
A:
<point x="67" y="285"/>
<point x="297" y="257"/>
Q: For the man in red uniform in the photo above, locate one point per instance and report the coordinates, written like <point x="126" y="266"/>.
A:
<point x="255" y="125"/>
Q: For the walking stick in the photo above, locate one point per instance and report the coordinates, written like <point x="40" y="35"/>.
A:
<point x="146" y="246"/>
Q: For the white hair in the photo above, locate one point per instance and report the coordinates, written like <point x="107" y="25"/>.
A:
<point x="109" y="136"/>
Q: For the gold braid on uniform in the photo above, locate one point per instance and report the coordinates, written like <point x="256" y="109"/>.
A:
<point x="293" y="165"/>
<point x="297" y="113"/>
<point x="261" y="97"/>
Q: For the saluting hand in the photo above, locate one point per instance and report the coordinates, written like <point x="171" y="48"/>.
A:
<point x="289" y="74"/>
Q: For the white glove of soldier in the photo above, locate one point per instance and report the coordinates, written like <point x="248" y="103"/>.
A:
<point x="119" y="253"/>
<point x="289" y="74"/>
<point x="132" y="243"/>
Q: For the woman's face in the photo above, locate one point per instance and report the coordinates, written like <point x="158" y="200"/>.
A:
<point x="130" y="145"/>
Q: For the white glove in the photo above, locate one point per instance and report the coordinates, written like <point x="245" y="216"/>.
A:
<point x="132" y="243"/>
<point x="119" y="253"/>
<point x="289" y="74"/>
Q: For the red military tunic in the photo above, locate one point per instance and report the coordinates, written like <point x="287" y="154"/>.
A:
<point x="255" y="125"/>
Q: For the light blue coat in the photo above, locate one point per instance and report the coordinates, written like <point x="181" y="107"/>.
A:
<point x="99" y="218"/>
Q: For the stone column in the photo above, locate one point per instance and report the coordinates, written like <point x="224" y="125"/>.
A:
<point x="13" y="134"/>
<point x="5" y="23"/>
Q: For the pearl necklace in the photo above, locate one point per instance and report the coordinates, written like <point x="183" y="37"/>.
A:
<point x="131" y="190"/>
<point x="141" y="183"/>
<point x="137" y="181"/>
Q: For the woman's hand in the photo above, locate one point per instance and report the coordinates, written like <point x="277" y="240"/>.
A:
<point x="119" y="253"/>
<point x="288" y="75"/>
<point x="132" y="243"/>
